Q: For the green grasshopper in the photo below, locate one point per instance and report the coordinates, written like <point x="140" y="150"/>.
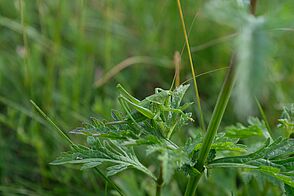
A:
<point x="162" y="109"/>
<point x="158" y="114"/>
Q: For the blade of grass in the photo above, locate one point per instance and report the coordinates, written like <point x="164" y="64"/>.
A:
<point x="215" y="121"/>
<point x="201" y="119"/>
<point x="190" y="29"/>
<point x="205" y="73"/>
<point x="72" y="144"/>
<point x="217" y="115"/>
<point x="213" y="42"/>
<point x="109" y="181"/>
<point x="264" y="119"/>
<point x="213" y="126"/>
<point x="53" y="124"/>
<point x="21" y="109"/>
<point x="191" y="188"/>
<point x="27" y="81"/>
<point x="105" y="189"/>
<point x="108" y="35"/>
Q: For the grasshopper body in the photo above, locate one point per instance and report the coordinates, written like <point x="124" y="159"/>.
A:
<point x="162" y="109"/>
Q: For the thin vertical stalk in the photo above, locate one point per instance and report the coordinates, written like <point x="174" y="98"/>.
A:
<point x="106" y="189"/>
<point x="27" y="81"/>
<point x="81" y="20"/>
<point x="53" y="124"/>
<point x="201" y="119"/>
<point x="215" y="121"/>
<point x="109" y="181"/>
<point x="108" y="35"/>
<point x="54" y="51"/>
<point x="253" y="6"/>
<point x="271" y="135"/>
<point x="41" y="15"/>
<point x="159" y="181"/>
<point x="81" y="70"/>
<point x="86" y="72"/>
<point x="213" y="126"/>
<point x="217" y="115"/>
<point x="192" y="184"/>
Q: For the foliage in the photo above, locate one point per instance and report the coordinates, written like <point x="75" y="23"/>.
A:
<point x="114" y="141"/>
<point x="68" y="57"/>
<point x="287" y="119"/>
<point x="106" y="151"/>
<point x="253" y="46"/>
<point x="151" y="123"/>
<point x="273" y="159"/>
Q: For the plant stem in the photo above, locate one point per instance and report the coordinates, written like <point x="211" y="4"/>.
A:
<point x="110" y="182"/>
<point x="271" y="135"/>
<point x="253" y="6"/>
<point x="108" y="35"/>
<point x="192" y="185"/>
<point x="201" y="119"/>
<point x="216" y="118"/>
<point x="105" y="189"/>
<point x="159" y="182"/>
<point x="53" y="124"/>
<point x="217" y="115"/>
<point x="213" y="126"/>
<point x="27" y="81"/>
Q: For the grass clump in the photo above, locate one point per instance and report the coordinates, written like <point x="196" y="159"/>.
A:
<point x="152" y="144"/>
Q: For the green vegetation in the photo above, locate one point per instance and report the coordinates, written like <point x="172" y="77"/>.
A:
<point x="68" y="57"/>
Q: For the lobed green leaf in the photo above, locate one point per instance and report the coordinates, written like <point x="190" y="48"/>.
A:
<point x="275" y="159"/>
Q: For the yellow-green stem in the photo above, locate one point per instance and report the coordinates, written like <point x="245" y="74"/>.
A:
<point x="201" y="119"/>
<point x="109" y="181"/>
<point x="192" y="185"/>
<point x="213" y="126"/>
<point x="53" y="124"/>
<point x="217" y="115"/>
<point x="215" y="121"/>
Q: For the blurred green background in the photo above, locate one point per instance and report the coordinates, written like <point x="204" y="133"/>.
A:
<point x="68" y="56"/>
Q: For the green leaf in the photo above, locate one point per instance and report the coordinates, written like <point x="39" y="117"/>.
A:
<point x="255" y="128"/>
<point x="228" y="146"/>
<point x="286" y="120"/>
<point x="90" y="165"/>
<point x="170" y="159"/>
<point x="288" y="163"/>
<point x="289" y="190"/>
<point x="178" y="95"/>
<point x="102" y="152"/>
<point x="167" y="117"/>
<point x="273" y="159"/>
<point x="116" y="169"/>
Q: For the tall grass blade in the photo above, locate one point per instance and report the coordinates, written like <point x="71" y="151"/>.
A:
<point x="264" y="119"/>
<point x="201" y="119"/>
<point x="109" y="181"/>
<point x="213" y="126"/>
<point x="27" y="80"/>
<point x="53" y="124"/>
